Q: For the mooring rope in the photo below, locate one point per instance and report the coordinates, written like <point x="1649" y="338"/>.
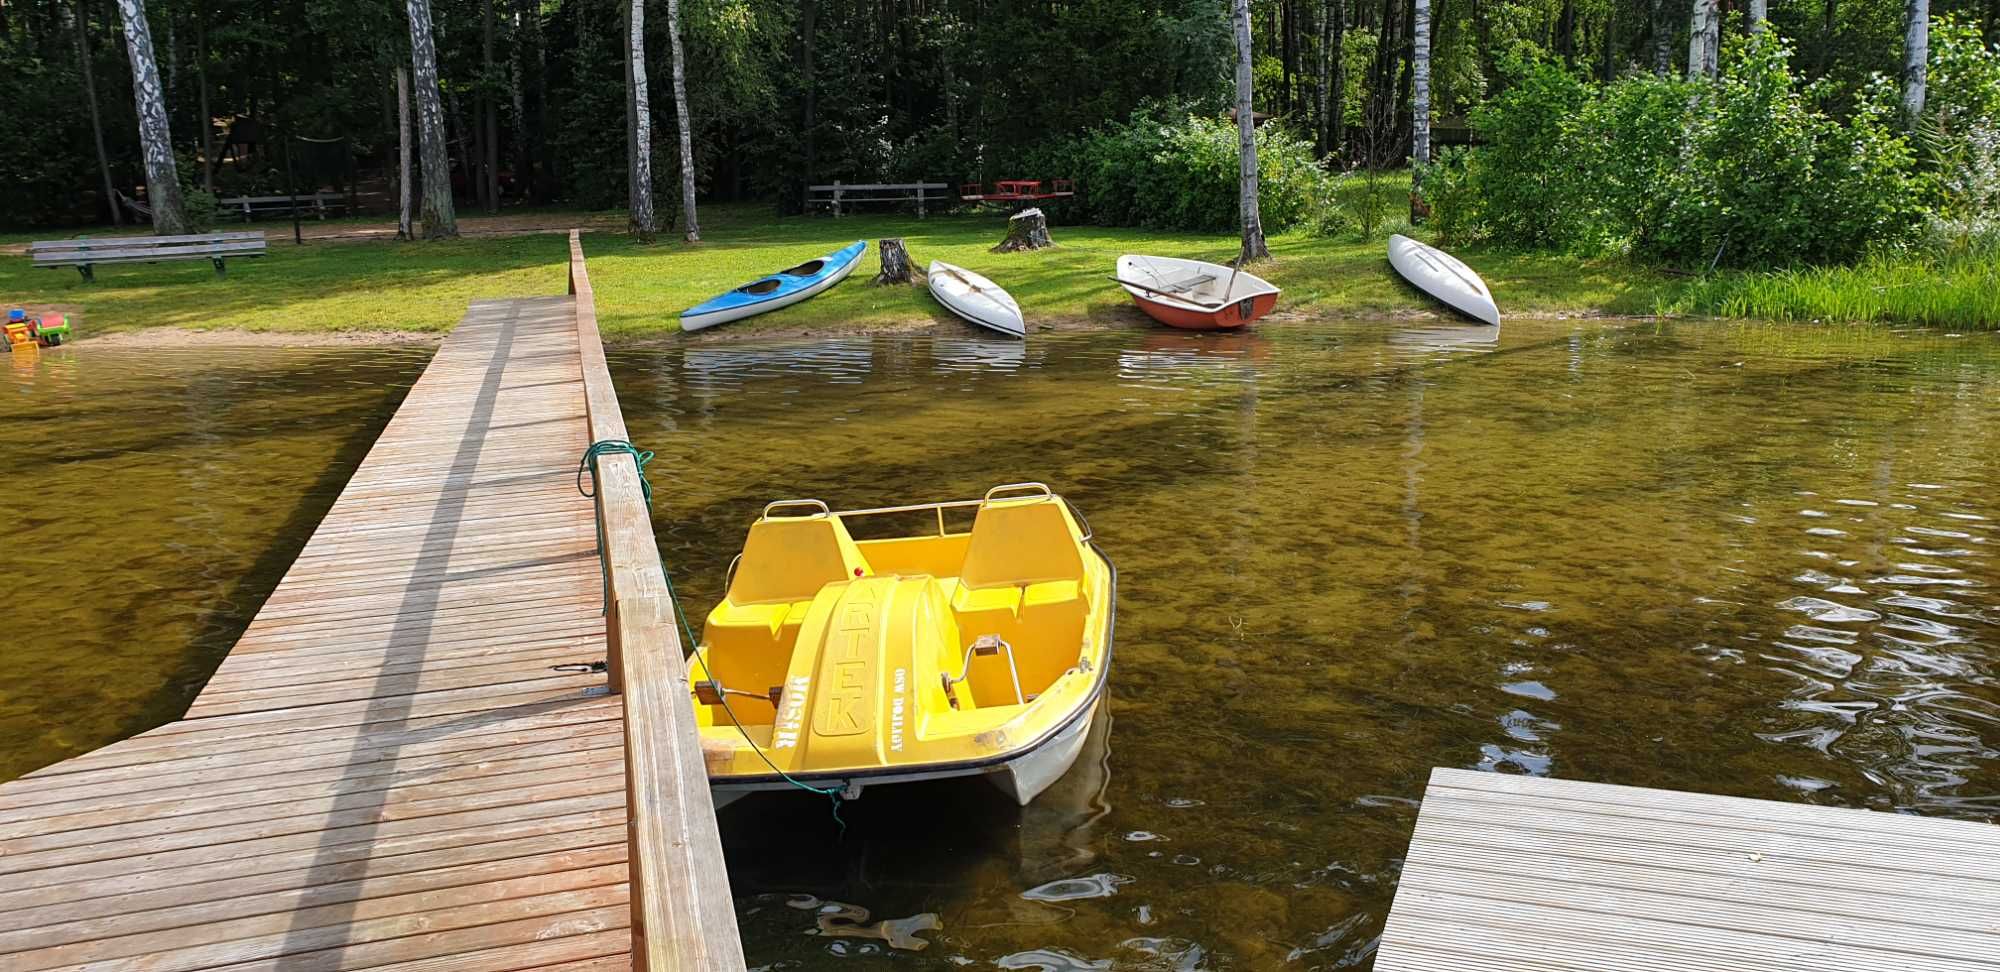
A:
<point x="640" y="457"/>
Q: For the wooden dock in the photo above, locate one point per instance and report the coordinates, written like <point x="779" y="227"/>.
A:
<point x="1511" y="874"/>
<point x="389" y="771"/>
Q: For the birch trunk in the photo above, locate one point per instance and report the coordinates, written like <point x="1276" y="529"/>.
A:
<point x="96" y="121"/>
<point x="490" y="115"/>
<point x="1246" y="144"/>
<point x="1916" y="56"/>
<point x="207" y="120"/>
<point x="403" y="153"/>
<point x="1704" y="40"/>
<point x="1324" y="109"/>
<point x="439" y="216"/>
<point x="1420" y="104"/>
<point x="1760" y="15"/>
<point x="640" y="124"/>
<point x="163" y="181"/>
<point x="524" y="181"/>
<point x="1663" y="41"/>
<point x="692" y="226"/>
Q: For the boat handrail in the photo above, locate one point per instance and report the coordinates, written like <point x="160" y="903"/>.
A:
<point x="788" y="503"/>
<point x="1014" y="487"/>
<point x="943" y="505"/>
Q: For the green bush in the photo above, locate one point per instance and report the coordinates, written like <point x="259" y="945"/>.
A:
<point x="1747" y="171"/>
<point x="1167" y="168"/>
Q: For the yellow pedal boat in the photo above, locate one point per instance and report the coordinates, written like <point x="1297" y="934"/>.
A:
<point x="850" y="663"/>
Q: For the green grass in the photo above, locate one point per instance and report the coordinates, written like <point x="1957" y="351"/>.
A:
<point x="386" y="285"/>
<point x="1961" y="293"/>
<point x="640" y="289"/>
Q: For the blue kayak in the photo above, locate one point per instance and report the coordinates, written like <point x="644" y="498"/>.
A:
<point x="781" y="289"/>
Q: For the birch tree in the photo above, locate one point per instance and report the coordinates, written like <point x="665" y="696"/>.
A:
<point x="638" y="125"/>
<point x="440" y="218"/>
<point x="1663" y="40"/>
<point x="693" y="228"/>
<point x="1916" y="55"/>
<point x="1704" y="40"/>
<point x="1420" y="103"/>
<point x="1246" y="144"/>
<point x="163" y="181"/>
<point x="403" y="153"/>
<point x="1760" y="15"/>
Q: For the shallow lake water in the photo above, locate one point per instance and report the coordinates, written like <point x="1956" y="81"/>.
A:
<point x="1751" y="560"/>
<point x="149" y="501"/>
<point x="1748" y="560"/>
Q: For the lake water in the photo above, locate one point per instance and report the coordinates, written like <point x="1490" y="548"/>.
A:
<point x="1738" y="559"/>
<point x="149" y="501"/>
<point x="1751" y="560"/>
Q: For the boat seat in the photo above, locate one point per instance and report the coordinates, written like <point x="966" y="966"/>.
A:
<point x="1023" y="580"/>
<point x="786" y="561"/>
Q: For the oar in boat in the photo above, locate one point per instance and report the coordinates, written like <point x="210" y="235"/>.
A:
<point x="1182" y="297"/>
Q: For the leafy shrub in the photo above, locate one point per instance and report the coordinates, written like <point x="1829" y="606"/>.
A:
<point x="1748" y="171"/>
<point x="1961" y="136"/>
<point x="1168" y="168"/>
<point x="200" y="207"/>
<point x="1448" y="191"/>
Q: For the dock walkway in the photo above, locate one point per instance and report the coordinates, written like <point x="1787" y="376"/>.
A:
<point x="388" y="772"/>
<point x="1511" y="874"/>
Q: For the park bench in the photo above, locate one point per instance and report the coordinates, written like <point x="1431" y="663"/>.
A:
<point x="842" y="194"/>
<point x="316" y="203"/>
<point x="86" y="253"/>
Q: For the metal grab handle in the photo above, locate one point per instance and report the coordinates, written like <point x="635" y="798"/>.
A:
<point x="1088" y="533"/>
<point x="783" y="504"/>
<point x="729" y="576"/>
<point x="1017" y="488"/>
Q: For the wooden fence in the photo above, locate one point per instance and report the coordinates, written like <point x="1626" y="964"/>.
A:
<point x="683" y="916"/>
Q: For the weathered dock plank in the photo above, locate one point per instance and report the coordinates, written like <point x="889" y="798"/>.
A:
<point x="386" y="771"/>
<point x="1520" y="873"/>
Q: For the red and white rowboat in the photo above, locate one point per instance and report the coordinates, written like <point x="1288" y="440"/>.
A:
<point x="1195" y="295"/>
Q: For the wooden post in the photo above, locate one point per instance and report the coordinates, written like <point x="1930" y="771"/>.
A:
<point x="836" y="199"/>
<point x="895" y="263"/>
<point x="920" y="200"/>
<point x="1026" y="230"/>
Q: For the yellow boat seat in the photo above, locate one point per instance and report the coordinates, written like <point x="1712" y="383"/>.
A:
<point x="786" y="561"/>
<point x="1023" y="581"/>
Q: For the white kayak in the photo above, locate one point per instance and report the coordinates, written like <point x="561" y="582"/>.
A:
<point x="975" y="298"/>
<point x="1441" y="275"/>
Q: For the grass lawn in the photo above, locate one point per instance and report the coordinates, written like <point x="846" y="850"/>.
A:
<point x="387" y="285"/>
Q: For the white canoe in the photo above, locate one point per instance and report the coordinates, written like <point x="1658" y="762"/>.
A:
<point x="976" y="299"/>
<point x="1441" y="275"/>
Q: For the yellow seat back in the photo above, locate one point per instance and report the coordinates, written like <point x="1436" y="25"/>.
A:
<point x="1022" y="541"/>
<point x="790" y="558"/>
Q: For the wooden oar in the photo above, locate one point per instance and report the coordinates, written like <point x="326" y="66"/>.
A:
<point x="1166" y="293"/>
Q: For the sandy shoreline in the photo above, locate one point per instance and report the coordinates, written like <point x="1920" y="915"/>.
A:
<point x="181" y="338"/>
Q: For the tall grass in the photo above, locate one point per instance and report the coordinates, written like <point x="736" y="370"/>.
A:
<point x="1960" y="292"/>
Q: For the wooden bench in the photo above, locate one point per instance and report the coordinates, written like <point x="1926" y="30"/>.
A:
<point x="85" y="253"/>
<point x="842" y="194"/>
<point x="316" y="203"/>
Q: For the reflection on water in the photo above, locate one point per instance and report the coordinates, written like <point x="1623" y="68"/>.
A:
<point x="149" y="500"/>
<point x="1747" y="560"/>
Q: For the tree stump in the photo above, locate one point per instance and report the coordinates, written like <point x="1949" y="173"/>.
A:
<point x="1026" y="230"/>
<point x="895" y="263"/>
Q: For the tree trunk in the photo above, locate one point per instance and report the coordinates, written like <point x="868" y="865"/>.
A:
<point x="1287" y="56"/>
<point x="807" y="16"/>
<point x="640" y="107"/>
<point x="403" y="153"/>
<point x="439" y="215"/>
<point x="690" y="226"/>
<point x="207" y="120"/>
<point x="517" y="69"/>
<point x="1420" y="107"/>
<point x="1663" y="41"/>
<point x="1916" y="57"/>
<point x="1325" y="113"/>
<point x="490" y="120"/>
<point x="1026" y="230"/>
<point x="1246" y="143"/>
<point x="895" y="263"/>
<point x="163" y="181"/>
<point x="1565" y="43"/>
<point x="1704" y="40"/>
<point x="96" y="121"/>
<point x="1760" y="15"/>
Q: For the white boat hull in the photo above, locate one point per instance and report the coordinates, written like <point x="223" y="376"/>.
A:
<point x="1442" y="276"/>
<point x="975" y="298"/>
<point x="1023" y="776"/>
<point x="696" y="322"/>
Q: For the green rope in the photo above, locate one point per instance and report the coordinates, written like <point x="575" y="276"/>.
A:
<point x="640" y="457"/>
